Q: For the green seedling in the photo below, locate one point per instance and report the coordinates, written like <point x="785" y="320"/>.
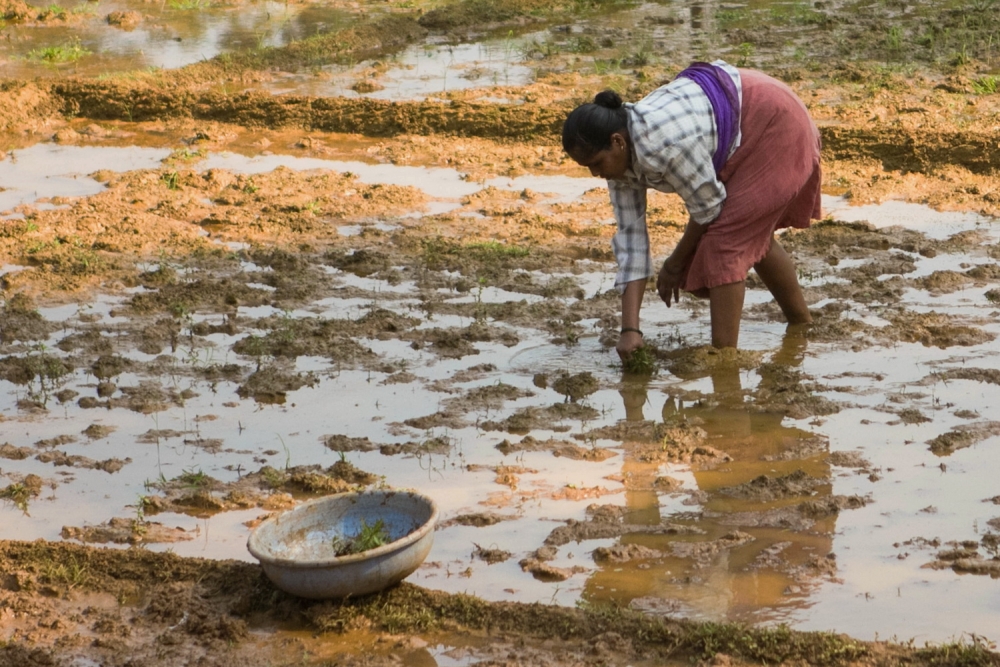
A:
<point x="640" y="362"/>
<point x="172" y="180"/>
<point x="19" y="494"/>
<point x="193" y="479"/>
<point x="69" y="573"/>
<point x="370" y="537"/>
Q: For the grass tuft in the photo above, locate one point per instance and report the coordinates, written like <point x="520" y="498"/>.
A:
<point x="56" y="55"/>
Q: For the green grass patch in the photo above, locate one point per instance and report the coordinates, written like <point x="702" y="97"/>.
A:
<point x="70" y="573"/>
<point x="184" y="155"/>
<point x="57" y="55"/>
<point x="485" y="261"/>
<point x="188" y="5"/>
<point x="495" y="250"/>
<point x="975" y="653"/>
<point x="985" y="85"/>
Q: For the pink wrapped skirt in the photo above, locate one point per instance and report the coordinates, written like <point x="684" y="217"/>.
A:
<point x="772" y="181"/>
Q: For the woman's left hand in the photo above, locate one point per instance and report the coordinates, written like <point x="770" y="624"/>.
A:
<point x="668" y="282"/>
<point x="629" y="342"/>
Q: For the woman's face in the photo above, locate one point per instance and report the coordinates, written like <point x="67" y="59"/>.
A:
<point x="611" y="163"/>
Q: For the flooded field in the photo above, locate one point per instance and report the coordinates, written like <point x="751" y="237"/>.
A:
<point x="250" y="257"/>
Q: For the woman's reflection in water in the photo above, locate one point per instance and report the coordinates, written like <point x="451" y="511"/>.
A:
<point x="740" y="582"/>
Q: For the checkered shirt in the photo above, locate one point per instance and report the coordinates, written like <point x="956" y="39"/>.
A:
<point x="673" y="138"/>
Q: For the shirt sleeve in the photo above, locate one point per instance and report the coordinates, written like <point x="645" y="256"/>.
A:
<point x="686" y="166"/>
<point x="631" y="242"/>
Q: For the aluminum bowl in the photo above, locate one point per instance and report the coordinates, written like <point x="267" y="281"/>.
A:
<point x="296" y="548"/>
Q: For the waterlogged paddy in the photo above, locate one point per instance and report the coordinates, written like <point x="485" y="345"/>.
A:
<point x="813" y="480"/>
<point x="99" y="38"/>
<point x="423" y="70"/>
<point x="39" y="174"/>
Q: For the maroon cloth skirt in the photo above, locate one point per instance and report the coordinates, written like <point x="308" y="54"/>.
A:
<point x="772" y="181"/>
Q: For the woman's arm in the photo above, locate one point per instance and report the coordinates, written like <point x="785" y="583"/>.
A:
<point x="668" y="282"/>
<point x="635" y="263"/>
<point x="630" y="341"/>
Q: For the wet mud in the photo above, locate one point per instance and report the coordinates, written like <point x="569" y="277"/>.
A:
<point x="253" y="319"/>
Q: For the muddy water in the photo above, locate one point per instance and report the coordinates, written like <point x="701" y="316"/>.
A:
<point x="429" y="69"/>
<point x="37" y="174"/>
<point x="701" y="540"/>
<point x="44" y="171"/>
<point x="80" y="38"/>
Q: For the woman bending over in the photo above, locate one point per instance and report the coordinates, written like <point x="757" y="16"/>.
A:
<point x="742" y="152"/>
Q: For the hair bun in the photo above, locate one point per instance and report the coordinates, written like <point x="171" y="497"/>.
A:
<point x="608" y="99"/>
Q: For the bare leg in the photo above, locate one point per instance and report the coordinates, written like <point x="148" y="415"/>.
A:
<point x="726" y="308"/>
<point x="778" y="272"/>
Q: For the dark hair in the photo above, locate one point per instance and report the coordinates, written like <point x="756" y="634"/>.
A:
<point x="589" y="127"/>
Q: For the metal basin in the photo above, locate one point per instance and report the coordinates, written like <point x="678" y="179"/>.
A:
<point x="296" y="548"/>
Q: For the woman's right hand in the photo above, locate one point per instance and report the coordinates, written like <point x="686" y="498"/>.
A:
<point x="628" y="342"/>
<point x="668" y="282"/>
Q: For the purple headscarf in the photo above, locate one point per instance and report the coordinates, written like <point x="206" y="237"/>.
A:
<point x="725" y="99"/>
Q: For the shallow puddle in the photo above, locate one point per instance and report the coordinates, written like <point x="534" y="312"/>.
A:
<point x="609" y="41"/>
<point x="45" y="171"/>
<point x="87" y="39"/>
<point x="427" y="70"/>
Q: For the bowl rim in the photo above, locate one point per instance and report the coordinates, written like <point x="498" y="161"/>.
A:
<point x="396" y="545"/>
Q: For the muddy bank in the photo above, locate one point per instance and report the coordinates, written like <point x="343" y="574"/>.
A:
<point x="923" y="149"/>
<point x="139" y="608"/>
<point x="254" y="109"/>
<point x="913" y="101"/>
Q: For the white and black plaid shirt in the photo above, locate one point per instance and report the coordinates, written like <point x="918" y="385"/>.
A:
<point x="673" y="138"/>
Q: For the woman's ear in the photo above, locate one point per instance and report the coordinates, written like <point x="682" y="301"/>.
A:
<point x="618" y="141"/>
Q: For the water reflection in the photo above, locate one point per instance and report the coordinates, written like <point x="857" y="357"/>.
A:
<point x="168" y="35"/>
<point x="752" y="552"/>
<point x="422" y="70"/>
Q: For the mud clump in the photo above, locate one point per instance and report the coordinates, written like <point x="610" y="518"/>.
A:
<point x="604" y="524"/>
<point x="705" y="552"/>
<point x="272" y="383"/>
<point x="800" y="517"/>
<point x="126" y="20"/>
<point x="21" y="321"/>
<point x="788" y="390"/>
<point x="529" y="419"/>
<point x="575" y="387"/>
<point x="698" y="362"/>
<point x="848" y="460"/>
<point x="963" y="435"/>
<point x="491" y="555"/>
<point x="933" y="330"/>
<point x="478" y="520"/>
<point x="624" y="553"/>
<point x="122" y="530"/>
<point x="988" y="375"/>
<point x="765" y="488"/>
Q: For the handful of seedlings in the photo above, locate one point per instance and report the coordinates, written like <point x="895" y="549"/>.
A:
<point x="642" y="361"/>
<point x="369" y="537"/>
